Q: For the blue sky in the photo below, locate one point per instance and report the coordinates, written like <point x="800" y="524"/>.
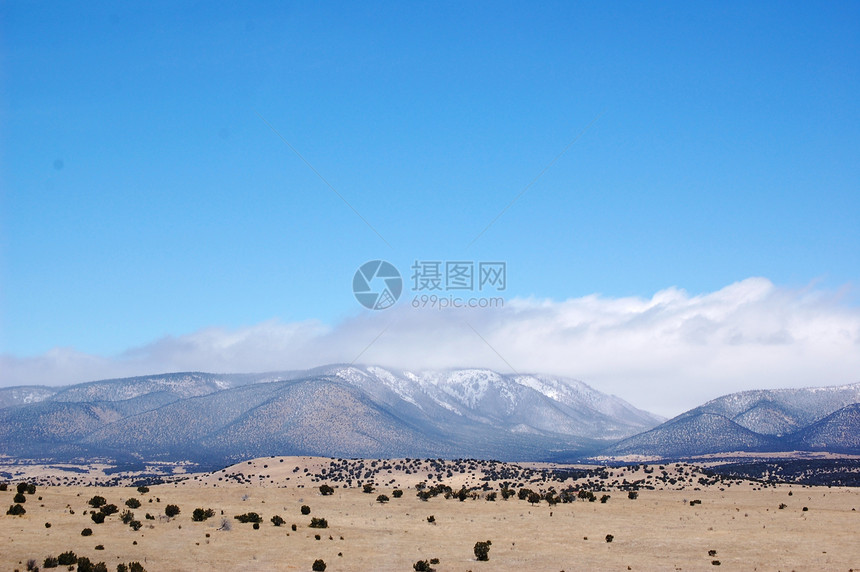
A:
<point x="143" y="196"/>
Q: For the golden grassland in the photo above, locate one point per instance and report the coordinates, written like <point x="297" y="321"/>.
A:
<point x="659" y="530"/>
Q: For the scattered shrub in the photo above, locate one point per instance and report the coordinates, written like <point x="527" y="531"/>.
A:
<point x="47" y="525"/>
<point x="609" y="538"/>
<point x="397" y="493"/>
<point x="201" y="514"/>
<point x="382" y="499"/>
<point x="171" y="510"/>
<point x="109" y="509"/>
<point x="97" y="501"/>
<point x="132" y="503"/>
<point x="16" y="510"/>
<point x="97" y="517"/>
<point x="30" y="488"/>
<point x="87" y="532"/>
<point x="294" y="528"/>
<point x="126" y="517"/>
<point x="50" y="562"/>
<point x="318" y="565"/>
<point x="256" y="526"/>
<point x="20" y="498"/>
<point x="4" y="487"/>
<point x="632" y="495"/>
<point x="482" y="550"/>
<point x="431" y="519"/>
<point x="318" y="523"/>
<point x="100" y="547"/>
<point x="326" y="490"/>
<point x="695" y="502"/>
<point x="716" y="562"/>
<point x="367" y="488"/>
<point x="604" y="498"/>
<point x="782" y="505"/>
<point x="306" y="509"/>
<point x="712" y="552"/>
<point x="67" y="558"/>
<point x="806" y="508"/>
<point x="143" y="490"/>
<point x="135" y="525"/>
<point x="31" y="565"/>
<point x="135" y="567"/>
<point x="249" y="517"/>
<point x="422" y="566"/>
<point x="277" y="520"/>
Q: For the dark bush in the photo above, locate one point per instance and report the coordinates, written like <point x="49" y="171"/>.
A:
<point x="135" y="525"/>
<point x="431" y="519"/>
<point x="716" y="562"/>
<point x="97" y="501"/>
<point x="47" y="525"/>
<point x="293" y="527"/>
<point x="67" y="558"/>
<point x="121" y="567"/>
<point x="135" y="567"/>
<point x="306" y="509"/>
<point x="397" y="493"/>
<point x="100" y="546"/>
<point x="109" y="509"/>
<point x="806" y="508"/>
<point x="19" y="498"/>
<point x="249" y="517"/>
<point x="633" y="495"/>
<point x="87" y="532"/>
<point x="382" y="499"/>
<point x="16" y="510"/>
<point x="143" y="490"/>
<point x="482" y="550"/>
<point x="318" y="523"/>
<point x="50" y="562"/>
<point x="422" y="566"/>
<point x="256" y="526"/>
<point x="491" y="496"/>
<point x="97" y="517"/>
<point x="604" y="498"/>
<point x="782" y="505"/>
<point x="326" y="490"/>
<point x="609" y="538"/>
<point x="4" y="487"/>
<point x="277" y="520"/>
<point x="367" y="488"/>
<point x="201" y="514"/>
<point x="31" y="488"/>
<point x="318" y="565"/>
<point x="132" y="503"/>
<point x="171" y="510"/>
<point x="21" y="488"/>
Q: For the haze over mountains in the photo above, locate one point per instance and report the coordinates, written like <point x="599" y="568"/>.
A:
<point x="369" y="411"/>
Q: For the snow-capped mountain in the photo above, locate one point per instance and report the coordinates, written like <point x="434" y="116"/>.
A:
<point x="332" y="410"/>
<point x="809" y="419"/>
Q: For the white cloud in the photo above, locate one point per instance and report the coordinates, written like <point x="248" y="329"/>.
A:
<point x="665" y="354"/>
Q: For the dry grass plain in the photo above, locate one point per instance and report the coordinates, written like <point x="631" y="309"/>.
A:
<point x="657" y="531"/>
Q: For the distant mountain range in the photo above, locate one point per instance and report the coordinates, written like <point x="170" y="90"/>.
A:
<point x="346" y="411"/>
<point x="369" y="411"/>
<point x="814" y="419"/>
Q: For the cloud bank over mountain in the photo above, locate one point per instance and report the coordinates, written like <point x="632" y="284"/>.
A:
<point x="664" y="354"/>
